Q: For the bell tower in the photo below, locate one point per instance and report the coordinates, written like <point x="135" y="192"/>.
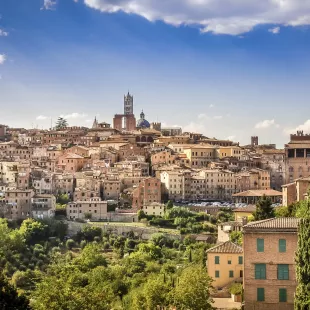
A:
<point x="128" y="104"/>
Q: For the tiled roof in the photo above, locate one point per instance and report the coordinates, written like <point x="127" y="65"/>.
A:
<point x="249" y="208"/>
<point x="281" y="223"/>
<point x="231" y="223"/>
<point x="258" y="193"/>
<point x="226" y="247"/>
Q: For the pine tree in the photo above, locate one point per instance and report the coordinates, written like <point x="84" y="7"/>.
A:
<point x="264" y="209"/>
<point x="302" y="297"/>
<point x="61" y="123"/>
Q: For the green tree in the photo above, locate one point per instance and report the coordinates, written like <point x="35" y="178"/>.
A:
<point x="302" y="259"/>
<point x="9" y="298"/>
<point x="87" y="215"/>
<point x="169" y="205"/>
<point x="61" y="123"/>
<point x="70" y="244"/>
<point x="62" y="199"/>
<point x="33" y="231"/>
<point x="264" y="209"/>
<point x="141" y="215"/>
<point x="192" y="290"/>
<point x="236" y="237"/>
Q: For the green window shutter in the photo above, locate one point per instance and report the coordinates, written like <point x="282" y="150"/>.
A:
<point x="282" y="295"/>
<point x="240" y="259"/>
<point x="260" y="271"/>
<point x="217" y="259"/>
<point x="229" y="262"/>
<point x="282" y="245"/>
<point x="231" y="273"/>
<point x="217" y="273"/>
<point x="260" y="245"/>
<point x="283" y="272"/>
<point x="260" y="294"/>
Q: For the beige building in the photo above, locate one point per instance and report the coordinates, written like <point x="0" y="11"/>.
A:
<point x="225" y="264"/>
<point x="97" y="208"/>
<point x="200" y="155"/>
<point x="18" y="203"/>
<point x="154" y="208"/>
<point x="253" y="179"/>
<point x="231" y="151"/>
<point x="269" y="268"/>
<point x="220" y="184"/>
<point x="225" y="229"/>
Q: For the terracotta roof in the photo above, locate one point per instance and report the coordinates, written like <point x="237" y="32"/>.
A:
<point x="282" y="223"/>
<point x="258" y="193"/>
<point x="74" y="156"/>
<point x="226" y="247"/>
<point x="231" y="223"/>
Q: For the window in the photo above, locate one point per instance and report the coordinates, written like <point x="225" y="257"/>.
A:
<point x="282" y="245"/>
<point x="217" y="260"/>
<point x="240" y="260"/>
<point x="229" y="262"/>
<point x="260" y="271"/>
<point x="260" y="245"/>
<point x="217" y="273"/>
<point x="260" y="294"/>
<point x="282" y="295"/>
<point x="283" y="272"/>
<point x="231" y="273"/>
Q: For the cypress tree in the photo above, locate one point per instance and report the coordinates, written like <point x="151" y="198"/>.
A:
<point x="302" y="259"/>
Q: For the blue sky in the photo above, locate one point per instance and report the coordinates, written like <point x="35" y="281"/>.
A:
<point x="229" y="71"/>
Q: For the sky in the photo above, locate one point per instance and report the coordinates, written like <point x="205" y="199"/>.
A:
<point x="229" y="69"/>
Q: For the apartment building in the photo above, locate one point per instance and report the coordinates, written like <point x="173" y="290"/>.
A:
<point x="225" y="263"/>
<point x="43" y="206"/>
<point x="220" y="184"/>
<point x="257" y="179"/>
<point x="148" y="191"/>
<point x="269" y="268"/>
<point x="18" y="203"/>
<point x="200" y="155"/>
<point x="154" y="208"/>
<point x="296" y="191"/>
<point x="95" y="208"/>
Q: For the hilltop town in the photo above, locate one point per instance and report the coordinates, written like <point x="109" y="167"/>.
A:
<point x="137" y="177"/>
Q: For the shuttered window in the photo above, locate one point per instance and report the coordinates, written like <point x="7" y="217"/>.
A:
<point x="217" y="273"/>
<point x="282" y="295"/>
<point x="217" y="260"/>
<point x="260" y="245"/>
<point x="240" y="260"/>
<point x="283" y="272"/>
<point x="260" y="271"/>
<point x="260" y="294"/>
<point x="231" y="273"/>
<point x="282" y="245"/>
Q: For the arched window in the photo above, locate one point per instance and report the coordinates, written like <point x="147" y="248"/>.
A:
<point x="300" y="169"/>
<point x="291" y="169"/>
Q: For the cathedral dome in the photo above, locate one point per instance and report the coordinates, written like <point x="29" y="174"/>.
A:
<point x="142" y="122"/>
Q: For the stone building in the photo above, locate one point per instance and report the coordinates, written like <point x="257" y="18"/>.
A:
<point x="297" y="157"/>
<point x="147" y="192"/>
<point x="253" y="179"/>
<point x="296" y="191"/>
<point x="269" y="268"/>
<point x="43" y="206"/>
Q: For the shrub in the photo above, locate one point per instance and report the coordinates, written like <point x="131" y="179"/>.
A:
<point x="70" y="244"/>
<point x="235" y="289"/>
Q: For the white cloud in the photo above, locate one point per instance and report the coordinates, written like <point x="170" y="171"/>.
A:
<point x="3" y="33"/>
<point x="266" y="124"/>
<point x="274" y="30"/>
<point x="41" y="117"/>
<point x="217" y="16"/>
<point x="218" y="117"/>
<point x="48" y="5"/>
<point x="74" y="115"/>
<point x="2" y="59"/>
<point x="231" y="138"/>
<point x="211" y="106"/>
<point x="305" y="127"/>
<point x="195" y="127"/>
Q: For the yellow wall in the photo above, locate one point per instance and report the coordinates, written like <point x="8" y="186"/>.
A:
<point x="240" y="215"/>
<point x="223" y="267"/>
